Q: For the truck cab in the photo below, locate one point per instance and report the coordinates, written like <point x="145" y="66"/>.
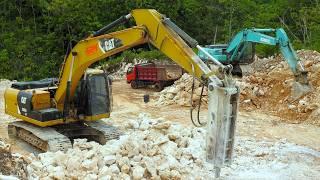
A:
<point x="131" y="74"/>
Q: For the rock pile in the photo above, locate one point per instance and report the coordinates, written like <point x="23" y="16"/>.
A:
<point x="267" y="88"/>
<point x="151" y="149"/>
<point x="120" y="72"/>
<point x="180" y="92"/>
<point x="158" y="149"/>
<point x="11" y="164"/>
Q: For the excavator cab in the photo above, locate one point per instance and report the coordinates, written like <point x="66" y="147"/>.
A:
<point x="246" y="54"/>
<point x="243" y="56"/>
<point x="93" y="95"/>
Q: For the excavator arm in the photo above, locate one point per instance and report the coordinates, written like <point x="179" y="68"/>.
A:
<point x="257" y="36"/>
<point x="244" y="40"/>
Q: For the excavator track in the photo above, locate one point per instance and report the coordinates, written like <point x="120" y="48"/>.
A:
<point x="43" y="138"/>
<point x="60" y="137"/>
<point x="110" y="132"/>
<point x="97" y="131"/>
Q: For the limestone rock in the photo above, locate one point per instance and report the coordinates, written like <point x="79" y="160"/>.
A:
<point x="57" y="173"/>
<point x="138" y="172"/>
<point x="162" y="125"/>
<point x="150" y="166"/>
<point x="174" y="174"/>
<point x="125" y="169"/>
<point x="114" y="169"/>
<point x="91" y="177"/>
<point x="145" y="124"/>
<point x="109" y="160"/>
<point x="165" y="174"/>
<point x="169" y="148"/>
<point x="105" y="171"/>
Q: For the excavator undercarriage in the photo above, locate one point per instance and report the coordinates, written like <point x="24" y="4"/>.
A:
<point x="60" y="137"/>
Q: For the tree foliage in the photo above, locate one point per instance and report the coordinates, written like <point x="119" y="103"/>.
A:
<point x="34" y="34"/>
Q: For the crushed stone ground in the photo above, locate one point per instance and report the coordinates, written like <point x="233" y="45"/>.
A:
<point x="154" y="149"/>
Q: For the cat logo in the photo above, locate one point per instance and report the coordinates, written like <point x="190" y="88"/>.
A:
<point x="109" y="44"/>
<point x="23" y="100"/>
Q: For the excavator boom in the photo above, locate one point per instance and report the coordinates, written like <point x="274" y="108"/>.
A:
<point x="150" y="28"/>
<point x="91" y="50"/>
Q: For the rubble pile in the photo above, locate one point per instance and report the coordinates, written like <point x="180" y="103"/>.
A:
<point x="158" y="149"/>
<point x="121" y="71"/>
<point x="180" y="92"/>
<point x="11" y="164"/>
<point x="151" y="148"/>
<point x="269" y="87"/>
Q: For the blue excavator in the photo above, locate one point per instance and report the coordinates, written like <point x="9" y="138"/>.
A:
<point x="241" y="51"/>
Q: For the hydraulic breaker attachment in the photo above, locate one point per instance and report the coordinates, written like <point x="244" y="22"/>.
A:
<point x="222" y="115"/>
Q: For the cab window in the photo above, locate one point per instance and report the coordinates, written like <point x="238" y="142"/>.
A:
<point x="130" y="69"/>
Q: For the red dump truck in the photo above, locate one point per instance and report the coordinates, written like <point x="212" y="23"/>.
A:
<point x="160" y="76"/>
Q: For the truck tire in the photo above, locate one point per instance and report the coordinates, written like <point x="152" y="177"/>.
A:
<point x="158" y="86"/>
<point x="134" y="85"/>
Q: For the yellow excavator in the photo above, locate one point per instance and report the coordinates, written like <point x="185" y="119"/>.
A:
<point x="56" y="111"/>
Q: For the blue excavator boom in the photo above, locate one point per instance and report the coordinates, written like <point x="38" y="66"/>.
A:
<point x="241" y="49"/>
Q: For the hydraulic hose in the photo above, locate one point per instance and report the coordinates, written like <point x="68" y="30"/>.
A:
<point x="115" y="23"/>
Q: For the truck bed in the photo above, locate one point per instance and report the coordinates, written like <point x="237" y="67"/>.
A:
<point x="159" y="72"/>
